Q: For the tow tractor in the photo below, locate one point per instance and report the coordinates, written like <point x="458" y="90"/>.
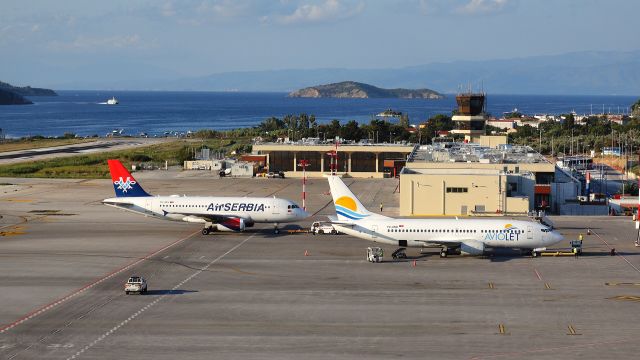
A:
<point x="374" y="254"/>
<point x="576" y="246"/>
<point x="319" y="227"/>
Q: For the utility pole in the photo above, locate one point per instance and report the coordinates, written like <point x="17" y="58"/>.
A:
<point x="303" y="164"/>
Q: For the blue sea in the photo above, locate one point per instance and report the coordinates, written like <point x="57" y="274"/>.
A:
<point x="85" y="112"/>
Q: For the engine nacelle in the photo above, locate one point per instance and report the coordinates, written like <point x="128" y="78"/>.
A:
<point x="473" y="248"/>
<point x="192" y="219"/>
<point x="232" y="224"/>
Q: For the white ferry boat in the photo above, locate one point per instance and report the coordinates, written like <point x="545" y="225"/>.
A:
<point x="112" y="101"/>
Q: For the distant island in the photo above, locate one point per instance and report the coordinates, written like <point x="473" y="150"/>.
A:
<point x="356" y="90"/>
<point x="11" y="98"/>
<point x="14" y="95"/>
<point x="27" y="90"/>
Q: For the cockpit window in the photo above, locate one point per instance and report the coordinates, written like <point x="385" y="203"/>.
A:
<point x="545" y="230"/>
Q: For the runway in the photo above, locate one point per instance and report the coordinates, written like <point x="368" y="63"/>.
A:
<point x="256" y="295"/>
<point x="101" y="145"/>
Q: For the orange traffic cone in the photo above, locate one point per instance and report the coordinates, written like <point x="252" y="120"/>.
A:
<point x="306" y="253"/>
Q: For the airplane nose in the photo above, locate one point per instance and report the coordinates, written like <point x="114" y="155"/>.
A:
<point x="557" y="237"/>
<point x="303" y="214"/>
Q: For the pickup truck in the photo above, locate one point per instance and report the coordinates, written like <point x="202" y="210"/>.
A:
<point x="135" y="284"/>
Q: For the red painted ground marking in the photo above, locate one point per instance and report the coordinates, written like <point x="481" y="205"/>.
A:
<point x="89" y="286"/>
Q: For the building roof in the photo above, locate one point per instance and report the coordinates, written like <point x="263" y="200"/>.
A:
<point x="456" y="152"/>
<point x="317" y="145"/>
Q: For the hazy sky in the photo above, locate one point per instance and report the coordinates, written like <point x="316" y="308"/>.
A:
<point x="49" y="42"/>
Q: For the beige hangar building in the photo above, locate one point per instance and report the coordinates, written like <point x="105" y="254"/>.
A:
<point x="461" y="179"/>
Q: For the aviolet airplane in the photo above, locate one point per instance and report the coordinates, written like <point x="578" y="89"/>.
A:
<point x="468" y="236"/>
<point x="217" y="213"/>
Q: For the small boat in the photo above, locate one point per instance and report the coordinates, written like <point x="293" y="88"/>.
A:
<point x="112" y="101"/>
<point x="390" y="113"/>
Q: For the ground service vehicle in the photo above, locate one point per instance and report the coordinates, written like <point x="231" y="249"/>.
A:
<point x="322" y="228"/>
<point x="135" y="284"/>
<point x="374" y="254"/>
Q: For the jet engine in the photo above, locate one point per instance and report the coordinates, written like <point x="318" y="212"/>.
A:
<point x="231" y="224"/>
<point x="473" y="248"/>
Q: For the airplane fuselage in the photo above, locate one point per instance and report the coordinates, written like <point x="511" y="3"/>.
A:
<point x="187" y="208"/>
<point x="426" y="232"/>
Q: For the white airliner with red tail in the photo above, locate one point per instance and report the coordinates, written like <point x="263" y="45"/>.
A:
<point x="217" y="213"/>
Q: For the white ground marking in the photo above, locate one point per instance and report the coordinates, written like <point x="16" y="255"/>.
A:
<point x="137" y="313"/>
<point x="87" y="287"/>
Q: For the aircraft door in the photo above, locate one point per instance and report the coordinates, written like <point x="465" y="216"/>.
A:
<point x="529" y="233"/>
<point x="275" y="210"/>
<point x="148" y="206"/>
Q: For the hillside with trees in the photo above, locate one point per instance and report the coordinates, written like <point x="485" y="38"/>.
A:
<point x="11" y="98"/>
<point x="26" y="90"/>
<point x="352" y="89"/>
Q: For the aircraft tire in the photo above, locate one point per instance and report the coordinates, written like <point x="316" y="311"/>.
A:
<point x="205" y="231"/>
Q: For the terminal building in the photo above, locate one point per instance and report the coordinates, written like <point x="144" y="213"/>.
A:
<point x="460" y="179"/>
<point x="354" y="159"/>
<point x="482" y="175"/>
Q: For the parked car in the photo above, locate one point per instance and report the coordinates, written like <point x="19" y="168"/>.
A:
<point x="135" y="284"/>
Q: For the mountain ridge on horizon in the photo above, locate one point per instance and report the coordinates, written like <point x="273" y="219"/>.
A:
<point x="574" y="73"/>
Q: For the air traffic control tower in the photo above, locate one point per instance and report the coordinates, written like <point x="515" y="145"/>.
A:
<point x="470" y="117"/>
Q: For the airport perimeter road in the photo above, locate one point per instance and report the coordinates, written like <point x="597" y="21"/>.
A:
<point x="258" y="295"/>
<point x="101" y="145"/>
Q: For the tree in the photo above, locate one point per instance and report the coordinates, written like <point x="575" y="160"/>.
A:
<point x="271" y="124"/>
<point x="569" y="121"/>
<point x="404" y="121"/>
<point x="330" y="130"/>
<point x="439" y="122"/>
<point x="635" y="109"/>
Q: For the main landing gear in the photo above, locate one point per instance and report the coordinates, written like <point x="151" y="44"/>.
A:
<point x="399" y="254"/>
<point x="208" y="228"/>
<point x="444" y="252"/>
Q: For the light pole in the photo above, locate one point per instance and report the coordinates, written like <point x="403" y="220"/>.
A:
<point x="303" y="164"/>
<point x="540" y="142"/>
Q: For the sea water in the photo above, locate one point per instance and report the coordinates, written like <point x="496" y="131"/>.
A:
<point x="85" y="113"/>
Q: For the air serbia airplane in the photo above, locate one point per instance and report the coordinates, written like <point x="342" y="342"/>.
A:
<point x="215" y="212"/>
<point x="468" y="236"/>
